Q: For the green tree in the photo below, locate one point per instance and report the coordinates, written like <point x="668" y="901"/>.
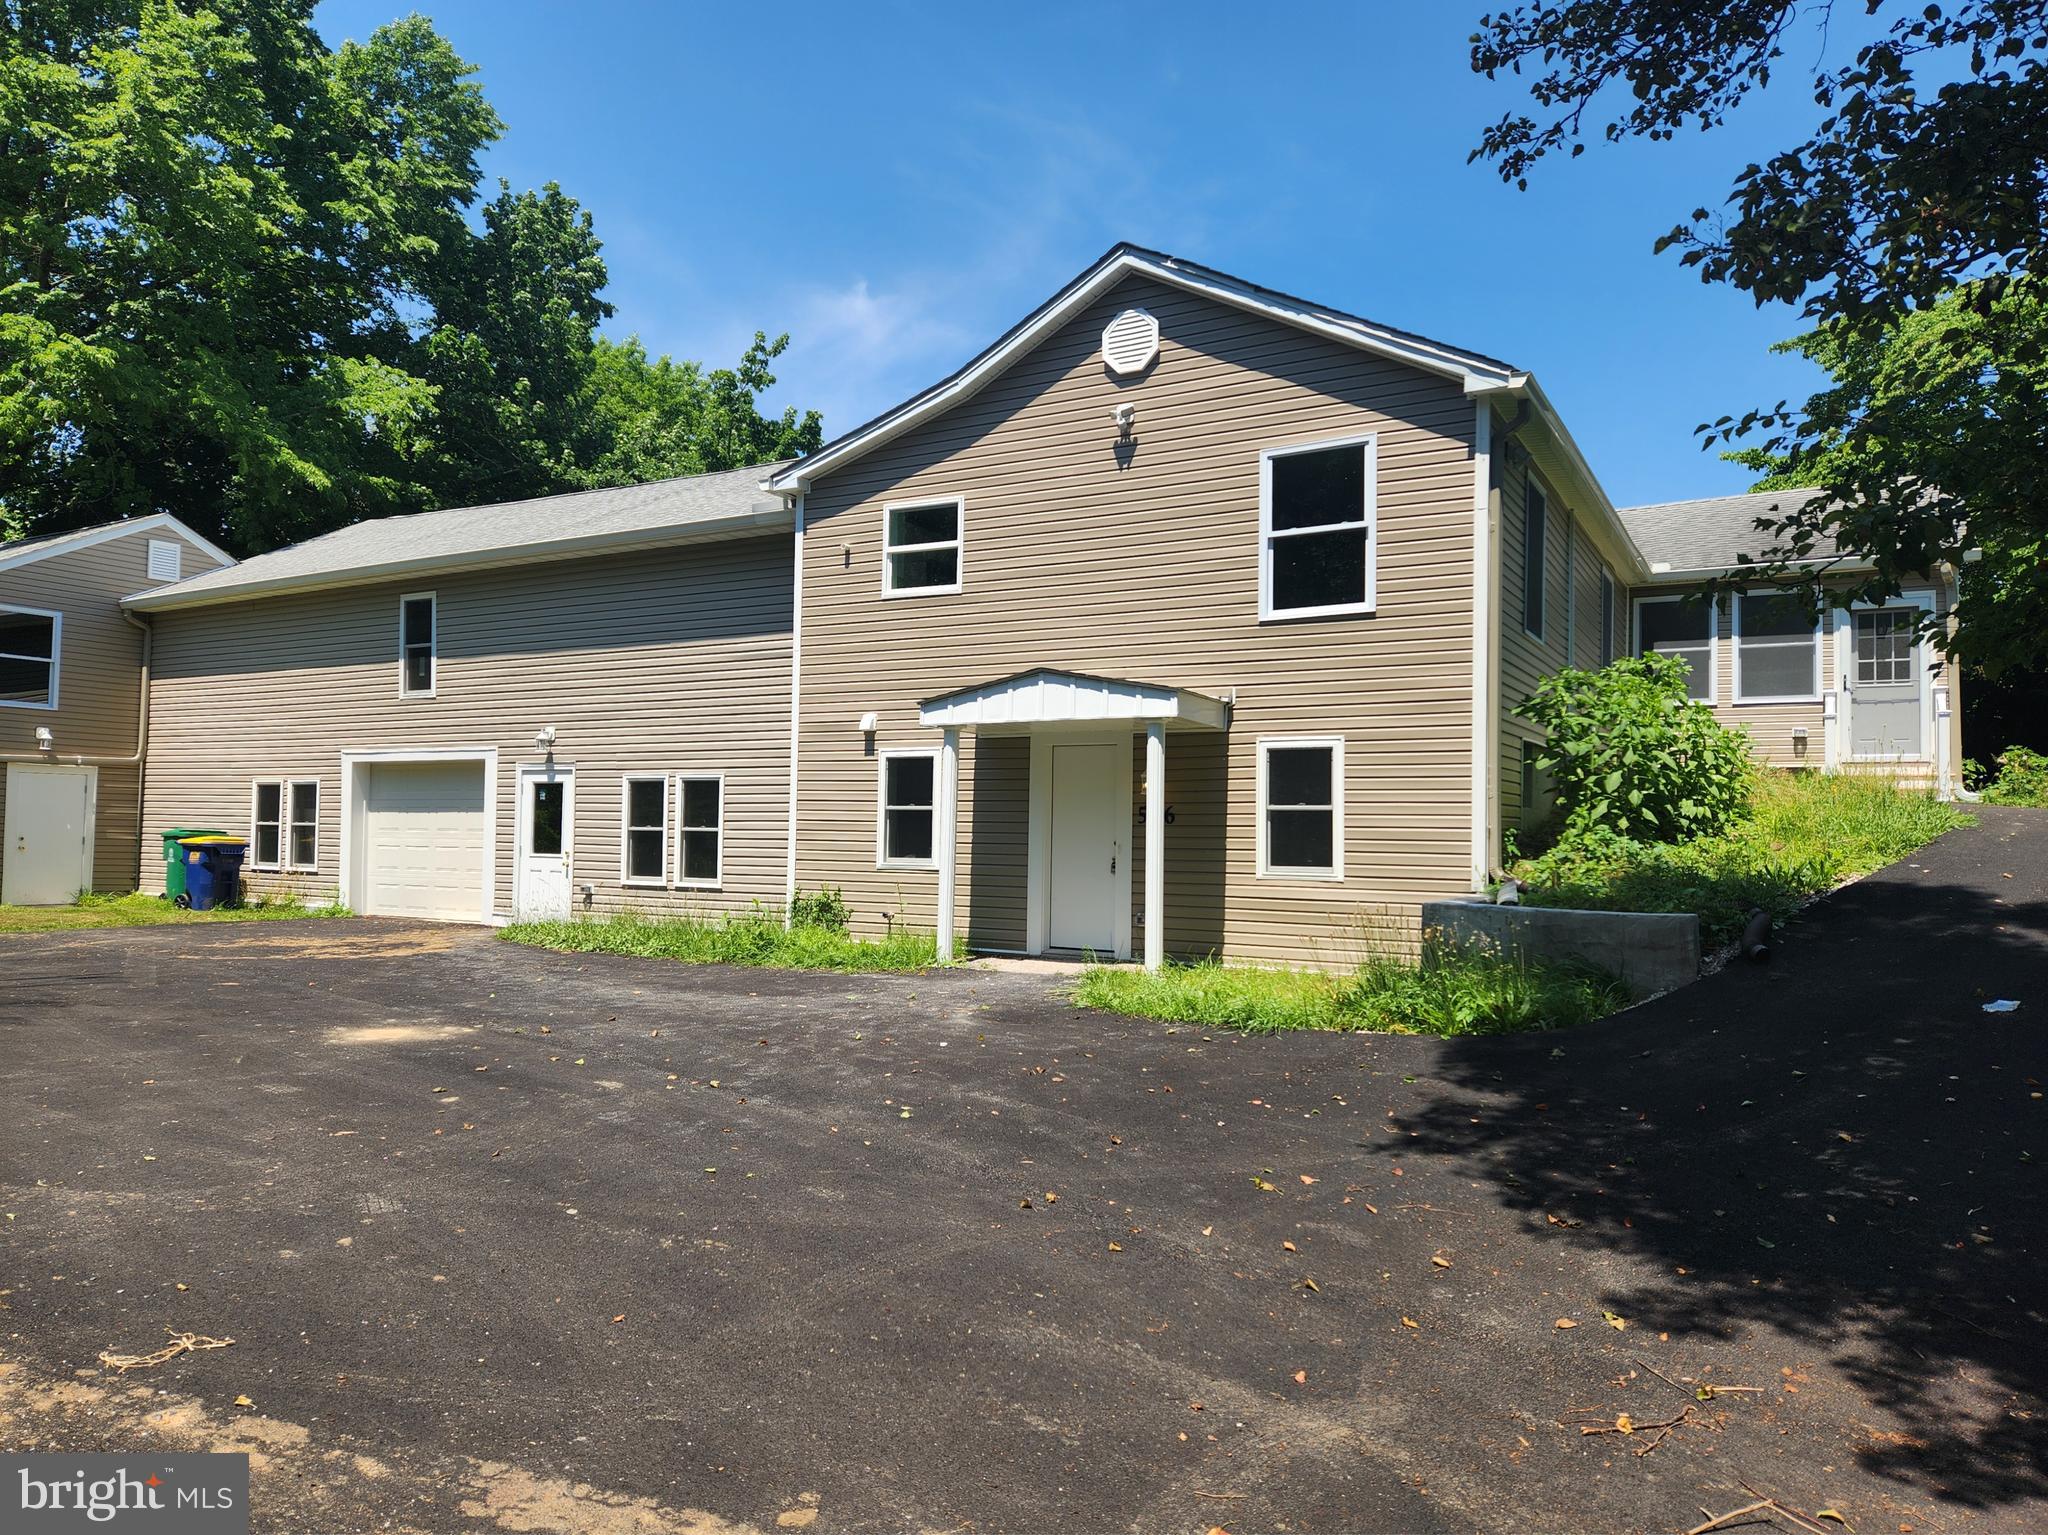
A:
<point x="1909" y="228"/>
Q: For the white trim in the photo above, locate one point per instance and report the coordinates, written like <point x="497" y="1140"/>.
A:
<point x="86" y="538"/>
<point x="1369" y="442"/>
<point x="1335" y="745"/>
<point x="433" y="644"/>
<point x="1155" y="844"/>
<point x="1739" y="700"/>
<point x="354" y="792"/>
<point x="1038" y="872"/>
<point x="56" y="659"/>
<point x="1536" y="499"/>
<point x="1845" y="661"/>
<point x="796" y="674"/>
<point x="88" y="842"/>
<point x="627" y="878"/>
<point x="957" y="543"/>
<point x="717" y="880"/>
<point x="1472" y="372"/>
<point x="946" y="836"/>
<point x="882" y="760"/>
<point x="1713" y="608"/>
<point x="1046" y="697"/>
<point x="1485" y="648"/>
<point x="288" y="821"/>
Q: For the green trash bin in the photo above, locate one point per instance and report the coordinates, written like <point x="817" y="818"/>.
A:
<point x="174" y="858"/>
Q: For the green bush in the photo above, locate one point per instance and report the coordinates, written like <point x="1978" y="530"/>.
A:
<point x="1629" y="754"/>
<point x="827" y="910"/>
<point x="2021" y="778"/>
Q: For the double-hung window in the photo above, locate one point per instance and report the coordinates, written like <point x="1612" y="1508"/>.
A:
<point x="1317" y="529"/>
<point x="284" y="831"/>
<point x="1681" y="627"/>
<point x="1301" y="808"/>
<point x="28" y="657"/>
<point x="1777" y="648"/>
<point x="908" y="809"/>
<point x="1606" y="616"/>
<point x="643" y="852"/>
<point x="1535" y="537"/>
<point x="921" y="547"/>
<point x="700" y="838"/>
<point x="416" y="645"/>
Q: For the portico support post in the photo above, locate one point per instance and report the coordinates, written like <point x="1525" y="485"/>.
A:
<point x="1155" y="844"/>
<point x="949" y="838"/>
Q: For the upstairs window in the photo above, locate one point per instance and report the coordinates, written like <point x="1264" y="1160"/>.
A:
<point x="644" y="857"/>
<point x="1316" y="527"/>
<point x="909" y="793"/>
<point x="702" y="858"/>
<point x="28" y="658"/>
<point x="1535" y="535"/>
<point x="1301" y="808"/>
<point x="416" y="645"/>
<point x="921" y="547"/>
<point x="1777" y="648"/>
<point x="1681" y="627"/>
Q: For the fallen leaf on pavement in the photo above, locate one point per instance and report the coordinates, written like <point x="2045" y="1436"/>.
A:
<point x="1564" y="1322"/>
<point x="1301" y="1377"/>
<point x="1618" y="1323"/>
<point x="1289" y="1247"/>
<point x="1409" y="1321"/>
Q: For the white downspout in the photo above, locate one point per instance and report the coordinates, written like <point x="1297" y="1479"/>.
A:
<point x="796" y="667"/>
<point x="949" y="838"/>
<point x="1485" y="648"/>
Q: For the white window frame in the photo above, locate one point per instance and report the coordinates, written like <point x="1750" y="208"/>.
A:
<point x="1713" y="639"/>
<point x="55" y="658"/>
<point x="1369" y="441"/>
<point x="256" y="788"/>
<point x="1740" y="699"/>
<point x="882" y="761"/>
<point x="162" y="551"/>
<point x="626" y="828"/>
<point x="1535" y="499"/>
<point x="683" y="780"/>
<point x="433" y="645"/>
<point x="957" y="543"/>
<point x="1335" y="873"/>
<point x="285" y="823"/>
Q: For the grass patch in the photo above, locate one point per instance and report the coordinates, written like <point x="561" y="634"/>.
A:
<point x="1802" y="835"/>
<point x="90" y="911"/>
<point x="1459" y="994"/>
<point x="745" y="938"/>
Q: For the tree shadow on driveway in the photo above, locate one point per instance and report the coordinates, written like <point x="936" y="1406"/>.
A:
<point x="1840" y="1148"/>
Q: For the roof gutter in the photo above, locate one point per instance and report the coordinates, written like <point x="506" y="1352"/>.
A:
<point x="738" y="525"/>
<point x="1523" y="388"/>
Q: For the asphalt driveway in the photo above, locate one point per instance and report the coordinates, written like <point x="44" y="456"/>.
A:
<point x="510" y="1240"/>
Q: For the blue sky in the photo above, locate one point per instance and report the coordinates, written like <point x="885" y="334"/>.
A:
<point x="896" y="184"/>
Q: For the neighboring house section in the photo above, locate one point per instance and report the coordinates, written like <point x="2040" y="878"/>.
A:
<point x="1854" y="688"/>
<point x="71" y="691"/>
<point x="572" y="704"/>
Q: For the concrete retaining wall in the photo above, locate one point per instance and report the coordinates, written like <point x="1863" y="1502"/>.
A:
<point x="1652" y="951"/>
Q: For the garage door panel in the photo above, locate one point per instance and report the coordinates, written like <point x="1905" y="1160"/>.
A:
<point x="423" y="840"/>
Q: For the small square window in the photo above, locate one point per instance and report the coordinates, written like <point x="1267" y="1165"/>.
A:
<point x="921" y="547"/>
<point x="1301" y="822"/>
<point x="909" y="801"/>
<point x="1777" y="647"/>
<point x="1316" y="515"/>
<point x="28" y="658"/>
<point x="703" y="836"/>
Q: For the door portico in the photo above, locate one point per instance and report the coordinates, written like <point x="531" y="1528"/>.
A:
<point x="1078" y="869"/>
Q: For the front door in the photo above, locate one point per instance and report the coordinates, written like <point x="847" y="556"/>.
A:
<point x="1885" y="681"/>
<point x="1090" y="830"/>
<point x="547" y="810"/>
<point x="47" y="857"/>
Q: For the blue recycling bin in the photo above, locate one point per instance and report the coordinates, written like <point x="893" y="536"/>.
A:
<point x="213" y="871"/>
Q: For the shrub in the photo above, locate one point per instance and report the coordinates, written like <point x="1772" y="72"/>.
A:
<point x="1630" y="754"/>
<point x="826" y="911"/>
<point x="2021" y="778"/>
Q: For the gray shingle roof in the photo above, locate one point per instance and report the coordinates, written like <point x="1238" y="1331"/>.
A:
<point x="1711" y="533"/>
<point x="580" y="522"/>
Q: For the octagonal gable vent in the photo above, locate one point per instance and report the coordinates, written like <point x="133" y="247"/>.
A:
<point x="1130" y="342"/>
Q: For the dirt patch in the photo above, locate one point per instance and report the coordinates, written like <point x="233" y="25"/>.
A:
<point x="398" y="1033"/>
<point x="356" y="944"/>
<point x="297" y="1481"/>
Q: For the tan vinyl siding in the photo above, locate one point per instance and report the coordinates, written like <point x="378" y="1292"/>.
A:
<point x="1141" y="561"/>
<point x="1527" y="659"/>
<point x="665" y="661"/>
<point x="993" y="860"/>
<point x="99" y="679"/>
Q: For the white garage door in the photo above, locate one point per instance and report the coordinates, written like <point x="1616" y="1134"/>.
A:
<point x="423" y="840"/>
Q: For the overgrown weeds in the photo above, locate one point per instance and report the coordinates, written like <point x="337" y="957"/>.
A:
<point x="755" y="937"/>
<point x="138" y="910"/>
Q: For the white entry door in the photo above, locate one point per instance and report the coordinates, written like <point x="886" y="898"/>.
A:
<point x="1091" y="877"/>
<point x="47" y="858"/>
<point x="1885" y="681"/>
<point x="546" y="822"/>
